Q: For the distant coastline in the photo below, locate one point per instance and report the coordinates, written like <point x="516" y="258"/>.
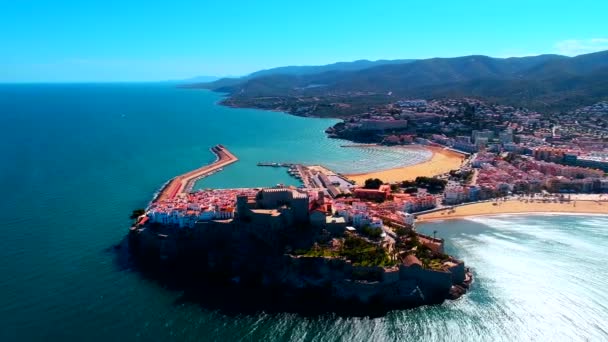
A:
<point x="441" y="161"/>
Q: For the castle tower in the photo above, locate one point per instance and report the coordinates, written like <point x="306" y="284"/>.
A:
<point x="242" y="210"/>
<point x="321" y="197"/>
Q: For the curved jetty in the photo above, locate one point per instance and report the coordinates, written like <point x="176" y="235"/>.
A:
<point x="185" y="182"/>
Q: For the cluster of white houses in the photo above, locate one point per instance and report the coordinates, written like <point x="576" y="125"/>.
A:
<point x="187" y="209"/>
<point x="316" y="207"/>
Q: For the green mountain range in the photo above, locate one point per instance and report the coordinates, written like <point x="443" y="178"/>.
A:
<point x="229" y="82"/>
<point x="545" y="82"/>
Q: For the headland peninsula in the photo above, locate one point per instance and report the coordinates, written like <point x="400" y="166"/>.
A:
<point x="342" y="244"/>
<point x="348" y="245"/>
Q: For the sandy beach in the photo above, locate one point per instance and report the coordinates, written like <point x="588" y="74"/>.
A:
<point x="516" y="206"/>
<point x="442" y="161"/>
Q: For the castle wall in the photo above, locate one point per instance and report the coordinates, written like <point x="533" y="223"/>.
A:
<point x="373" y="273"/>
<point x="458" y="273"/>
<point x="430" y="279"/>
<point x="336" y="228"/>
<point x="317" y="218"/>
<point x="390" y="275"/>
<point x="300" y="209"/>
<point x="230" y="247"/>
<point x="273" y="198"/>
<point x="361" y="290"/>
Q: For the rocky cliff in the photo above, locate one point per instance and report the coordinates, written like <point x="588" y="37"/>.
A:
<point x="242" y="257"/>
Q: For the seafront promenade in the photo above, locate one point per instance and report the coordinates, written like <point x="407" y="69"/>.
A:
<point x="185" y="182"/>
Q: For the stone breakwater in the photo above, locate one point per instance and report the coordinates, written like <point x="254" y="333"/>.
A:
<point x="185" y="182"/>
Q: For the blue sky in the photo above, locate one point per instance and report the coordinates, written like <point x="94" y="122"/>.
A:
<point x="61" y="41"/>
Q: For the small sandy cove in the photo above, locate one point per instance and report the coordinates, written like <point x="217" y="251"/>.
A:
<point x="442" y="161"/>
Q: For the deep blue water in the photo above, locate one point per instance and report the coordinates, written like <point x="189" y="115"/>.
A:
<point x="76" y="159"/>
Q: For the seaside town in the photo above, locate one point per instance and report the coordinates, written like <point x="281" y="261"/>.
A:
<point x="523" y="163"/>
<point x="508" y="150"/>
<point x="505" y="151"/>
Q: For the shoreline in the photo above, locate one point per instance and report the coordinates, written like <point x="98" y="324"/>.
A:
<point x="528" y="213"/>
<point x="517" y="207"/>
<point x="442" y="160"/>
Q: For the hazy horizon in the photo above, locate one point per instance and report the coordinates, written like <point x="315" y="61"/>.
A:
<point x="138" y="42"/>
<point x="192" y="78"/>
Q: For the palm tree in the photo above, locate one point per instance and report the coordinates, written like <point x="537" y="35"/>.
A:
<point x="434" y="234"/>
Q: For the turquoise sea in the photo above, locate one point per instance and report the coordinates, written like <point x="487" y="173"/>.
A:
<point x="77" y="158"/>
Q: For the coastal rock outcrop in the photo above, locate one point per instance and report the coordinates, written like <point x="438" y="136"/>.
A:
<point x="239" y="255"/>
